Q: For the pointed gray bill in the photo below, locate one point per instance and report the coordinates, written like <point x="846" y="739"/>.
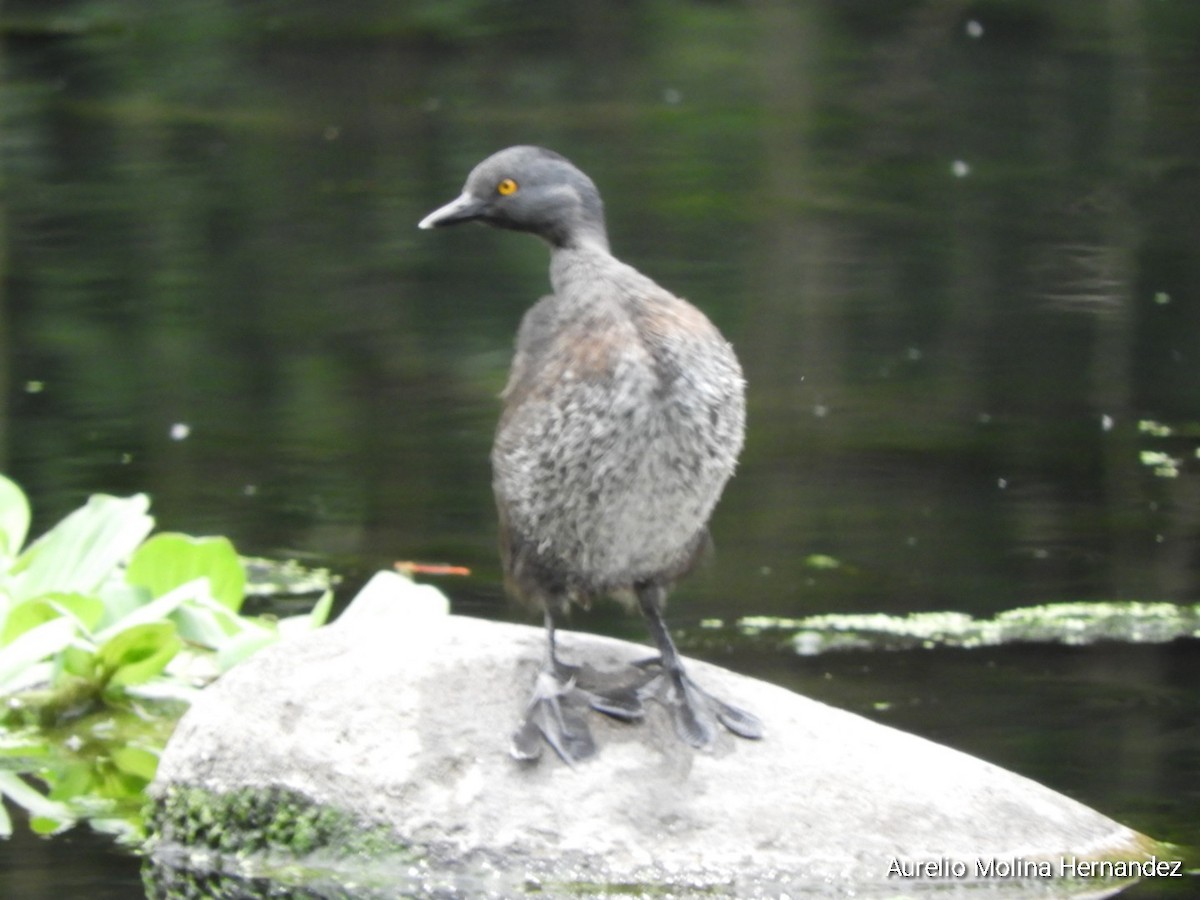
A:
<point x="463" y="208"/>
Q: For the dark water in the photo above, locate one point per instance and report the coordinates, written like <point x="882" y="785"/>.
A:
<point x="954" y="243"/>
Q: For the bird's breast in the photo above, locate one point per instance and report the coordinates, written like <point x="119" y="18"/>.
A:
<point x="613" y="447"/>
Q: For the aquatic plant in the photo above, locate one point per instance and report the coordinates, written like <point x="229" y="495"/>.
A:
<point x="106" y="632"/>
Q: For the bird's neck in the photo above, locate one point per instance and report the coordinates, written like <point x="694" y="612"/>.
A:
<point x="582" y="262"/>
<point x="583" y="236"/>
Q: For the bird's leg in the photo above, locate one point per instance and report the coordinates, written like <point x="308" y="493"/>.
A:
<point x="564" y="672"/>
<point x="694" y="711"/>
<point x="555" y="711"/>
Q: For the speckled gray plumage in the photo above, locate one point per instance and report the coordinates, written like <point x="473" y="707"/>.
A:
<point x="623" y="419"/>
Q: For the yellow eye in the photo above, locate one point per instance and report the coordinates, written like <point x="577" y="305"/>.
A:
<point x="506" y="187"/>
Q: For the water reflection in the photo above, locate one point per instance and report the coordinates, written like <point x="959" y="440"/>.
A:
<point x="946" y="259"/>
<point x="953" y="242"/>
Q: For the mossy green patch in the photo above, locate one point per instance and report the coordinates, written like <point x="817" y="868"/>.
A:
<point x="269" y="820"/>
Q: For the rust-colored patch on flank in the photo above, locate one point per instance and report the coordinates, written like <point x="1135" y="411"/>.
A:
<point x="674" y="317"/>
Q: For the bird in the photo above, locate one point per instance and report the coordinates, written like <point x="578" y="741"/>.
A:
<point x="622" y="420"/>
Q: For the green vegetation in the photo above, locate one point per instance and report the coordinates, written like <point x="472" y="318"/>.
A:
<point x="105" y="634"/>
<point x="266" y="821"/>
<point x="1073" y="624"/>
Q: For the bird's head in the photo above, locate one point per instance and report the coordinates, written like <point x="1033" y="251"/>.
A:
<point x="530" y="189"/>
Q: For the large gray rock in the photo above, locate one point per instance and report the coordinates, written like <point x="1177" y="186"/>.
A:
<point x="398" y="716"/>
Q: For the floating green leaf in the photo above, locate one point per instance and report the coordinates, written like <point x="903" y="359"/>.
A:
<point x="25" y="618"/>
<point x="136" y="761"/>
<point x="78" y="661"/>
<point x="167" y="561"/>
<point x="14" y="518"/>
<point x="137" y="654"/>
<point x="821" y="561"/>
<point x="34" y="646"/>
<point x="294" y="625"/>
<point x="81" y="551"/>
<point x="46" y="816"/>
<point x="200" y="627"/>
<point x="86" y="611"/>
<point x="320" y="612"/>
<point x="156" y="610"/>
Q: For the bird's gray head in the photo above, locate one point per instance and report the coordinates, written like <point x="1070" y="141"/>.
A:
<point x="529" y="189"/>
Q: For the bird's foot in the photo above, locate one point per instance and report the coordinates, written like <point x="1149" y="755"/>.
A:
<point x="600" y="691"/>
<point x="557" y="714"/>
<point x="622" y="702"/>
<point x="694" y="711"/>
